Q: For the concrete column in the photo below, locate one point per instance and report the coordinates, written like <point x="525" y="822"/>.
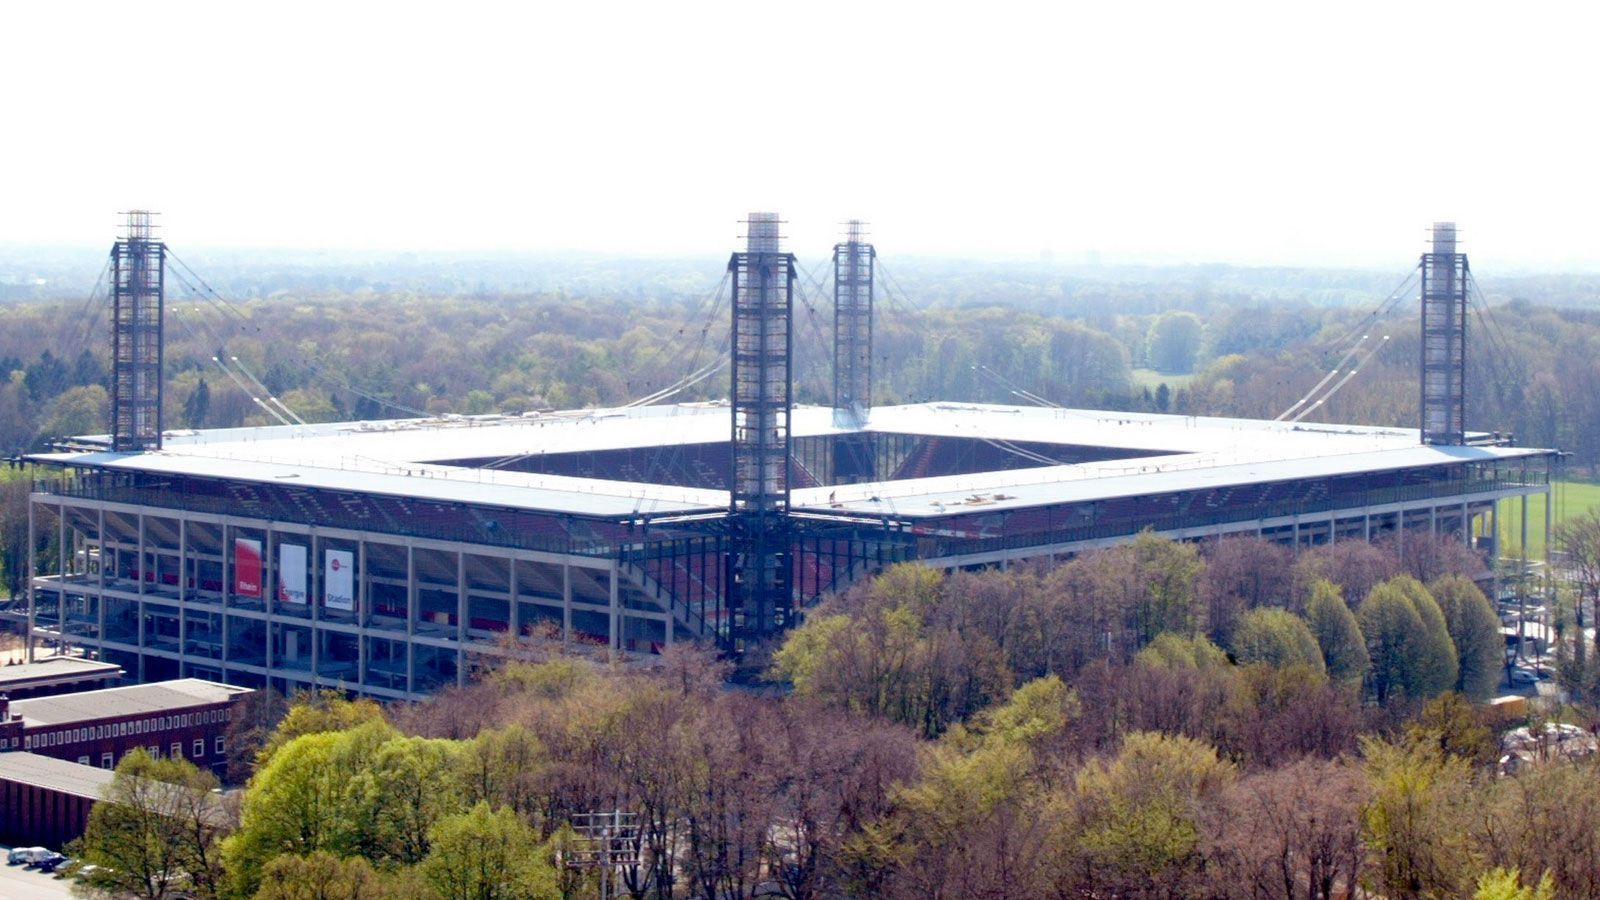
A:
<point x="101" y="616"/>
<point x="1333" y="529"/>
<point x="61" y="575"/>
<point x="1366" y="526"/>
<point x="513" y="615"/>
<point x="411" y="618"/>
<point x="33" y="572"/>
<point x="183" y="587"/>
<point x="616" y="612"/>
<point x="142" y="636"/>
<point x="566" y="603"/>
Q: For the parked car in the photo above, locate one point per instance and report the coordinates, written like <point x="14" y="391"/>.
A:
<point x="43" y="856"/>
<point x="54" y="862"/>
<point x="1523" y="676"/>
<point x="20" y="855"/>
<point x="32" y="856"/>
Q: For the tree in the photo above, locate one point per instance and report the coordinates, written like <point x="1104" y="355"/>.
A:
<point x="156" y="831"/>
<point x="1165" y="573"/>
<point x="250" y="728"/>
<point x="1277" y="638"/>
<point x="1577" y="540"/>
<point x="1135" y="818"/>
<point x="1417" y="823"/>
<point x="300" y="802"/>
<point x="409" y="784"/>
<point x="1175" y="342"/>
<point x="198" y="406"/>
<point x="321" y="876"/>
<point x="1407" y="641"/>
<point x="1475" y="631"/>
<point x="1242" y="572"/>
<point x="485" y="854"/>
<point x="1291" y="833"/>
<point x="1344" y="650"/>
<point x="1506" y="884"/>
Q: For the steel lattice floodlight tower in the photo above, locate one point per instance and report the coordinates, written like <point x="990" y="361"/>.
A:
<point x="1444" y="340"/>
<point x="853" y="263"/>
<point x="763" y="302"/>
<point x="138" y="268"/>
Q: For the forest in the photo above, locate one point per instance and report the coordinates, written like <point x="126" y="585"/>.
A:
<point x="1153" y="720"/>
<point x="1201" y="341"/>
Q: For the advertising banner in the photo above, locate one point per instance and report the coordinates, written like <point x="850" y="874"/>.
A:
<point x="338" y="581"/>
<point x="291" y="574"/>
<point x="246" y="568"/>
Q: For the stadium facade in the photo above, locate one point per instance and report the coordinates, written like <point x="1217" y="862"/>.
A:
<point x="392" y="558"/>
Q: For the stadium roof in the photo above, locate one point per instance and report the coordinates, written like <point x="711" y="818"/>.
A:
<point x="139" y="699"/>
<point x="401" y="457"/>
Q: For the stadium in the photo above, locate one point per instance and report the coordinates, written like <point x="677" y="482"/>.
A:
<point x="391" y="558"/>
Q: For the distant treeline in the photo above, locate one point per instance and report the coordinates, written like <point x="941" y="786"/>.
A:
<point x="1227" y="341"/>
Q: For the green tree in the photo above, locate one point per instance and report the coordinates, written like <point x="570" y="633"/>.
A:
<point x="313" y="712"/>
<point x="1417" y="823"/>
<point x="1344" y="650"/>
<point x="1135" y="821"/>
<point x="1165" y="574"/>
<point x="1506" y="884"/>
<point x="1171" y="651"/>
<point x="1475" y="631"/>
<point x="301" y="801"/>
<point x="198" y="406"/>
<point x="156" y="832"/>
<point x="409" y="784"/>
<point x="485" y="854"/>
<point x="1175" y="342"/>
<point x="1407" y="641"/>
<point x="1276" y="637"/>
<point x="320" y="876"/>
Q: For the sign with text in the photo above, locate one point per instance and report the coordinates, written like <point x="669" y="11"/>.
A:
<point x="291" y="574"/>
<point x="338" y="580"/>
<point x="246" y="567"/>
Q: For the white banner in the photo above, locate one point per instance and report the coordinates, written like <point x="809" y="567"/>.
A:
<point x="291" y="574"/>
<point x="338" y="580"/>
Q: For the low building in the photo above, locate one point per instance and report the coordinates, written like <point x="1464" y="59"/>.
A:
<point x="187" y="718"/>
<point x="46" y="801"/>
<point x="56" y="675"/>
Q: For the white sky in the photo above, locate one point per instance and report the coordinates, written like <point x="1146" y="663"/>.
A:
<point x="1251" y="133"/>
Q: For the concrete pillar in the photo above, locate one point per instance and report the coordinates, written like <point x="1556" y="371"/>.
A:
<point x="411" y="618"/>
<point x="183" y="587"/>
<point x="33" y="572"/>
<point x="566" y="603"/>
<point x="615" y="616"/>
<point x="514" y="615"/>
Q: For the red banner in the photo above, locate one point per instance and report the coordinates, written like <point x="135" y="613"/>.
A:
<point x="246" y="568"/>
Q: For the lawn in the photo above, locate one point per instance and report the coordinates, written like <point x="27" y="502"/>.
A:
<point x="1572" y="498"/>
<point x="1150" y="378"/>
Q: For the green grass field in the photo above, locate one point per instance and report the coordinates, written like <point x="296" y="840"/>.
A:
<point x="1572" y="498"/>
<point x="1150" y="378"/>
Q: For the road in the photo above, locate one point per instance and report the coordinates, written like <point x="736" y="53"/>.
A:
<point x="17" y="883"/>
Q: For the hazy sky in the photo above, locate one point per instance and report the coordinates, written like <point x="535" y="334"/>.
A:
<point x="1252" y="133"/>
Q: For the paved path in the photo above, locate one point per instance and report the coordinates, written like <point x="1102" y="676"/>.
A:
<point x="17" y="883"/>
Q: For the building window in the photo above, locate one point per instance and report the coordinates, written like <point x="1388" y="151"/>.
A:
<point x="199" y="747"/>
<point x="155" y="752"/>
<point x="83" y="760"/>
<point x="177" y="750"/>
<point x="218" y="747"/>
<point x="105" y="760"/>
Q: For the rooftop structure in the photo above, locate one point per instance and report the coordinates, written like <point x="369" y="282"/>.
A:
<point x="54" y="675"/>
<point x="133" y="700"/>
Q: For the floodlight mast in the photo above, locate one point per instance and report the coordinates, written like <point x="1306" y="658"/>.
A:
<point x="1444" y="340"/>
<point x="763" y="279"/>
<point x="138" y="290"/>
